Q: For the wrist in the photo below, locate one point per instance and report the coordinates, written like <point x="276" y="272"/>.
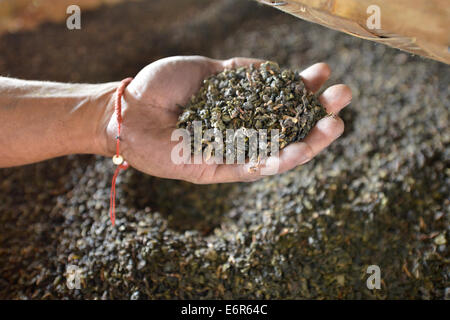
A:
<point x="100" y="138"/>
<point x="108" y="127"/>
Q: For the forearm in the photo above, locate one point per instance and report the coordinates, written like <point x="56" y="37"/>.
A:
<point x="42" y="120"/>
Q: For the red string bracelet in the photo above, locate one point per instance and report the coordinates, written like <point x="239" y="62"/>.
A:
<point x="117" y="158"/>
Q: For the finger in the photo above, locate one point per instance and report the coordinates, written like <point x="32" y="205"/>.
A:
<point x="335" y="98"/>
<point x="240" y="62"/>
<point x="233" y="63"/>
<point x="324" y="133"/>
<point x="315" y="76"/>
<point x="235" y="173"/>
<point x="290" y="157"/>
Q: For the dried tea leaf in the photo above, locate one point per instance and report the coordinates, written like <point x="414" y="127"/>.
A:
<point x="264" y="97"/>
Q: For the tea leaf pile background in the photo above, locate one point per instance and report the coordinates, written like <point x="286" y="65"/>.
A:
<point x="378" y="196"/>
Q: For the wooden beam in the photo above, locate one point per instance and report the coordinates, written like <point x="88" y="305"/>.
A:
<point x="417" y="26"/>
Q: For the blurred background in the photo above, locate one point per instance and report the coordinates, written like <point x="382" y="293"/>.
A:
<point x="17" y="15"/>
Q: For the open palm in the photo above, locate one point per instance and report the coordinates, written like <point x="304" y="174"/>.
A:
<point x="151" y="110"/>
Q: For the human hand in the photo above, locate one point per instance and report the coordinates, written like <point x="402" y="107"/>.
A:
<point x="151" y="111"/>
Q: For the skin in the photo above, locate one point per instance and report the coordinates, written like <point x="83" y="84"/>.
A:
<point x="43" y="120"/>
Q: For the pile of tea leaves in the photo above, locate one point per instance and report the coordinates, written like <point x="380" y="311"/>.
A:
<point x="264" y="97"/>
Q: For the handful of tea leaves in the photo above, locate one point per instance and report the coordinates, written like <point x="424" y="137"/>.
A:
<point x="264" y="97"/>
